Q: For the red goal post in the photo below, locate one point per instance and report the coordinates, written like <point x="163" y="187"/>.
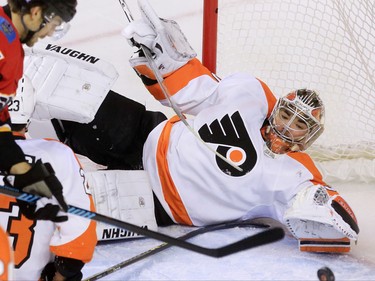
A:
<point x="326" y="45"/>
<point x="209" y="47"/>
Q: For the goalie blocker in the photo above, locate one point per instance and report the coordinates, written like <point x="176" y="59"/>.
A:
<point x="167" y="44"/>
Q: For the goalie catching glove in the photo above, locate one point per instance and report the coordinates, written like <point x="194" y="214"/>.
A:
<point x="163" y="38"/>
<point x="321" y="220"/>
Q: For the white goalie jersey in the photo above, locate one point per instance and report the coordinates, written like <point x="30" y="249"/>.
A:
<point x="195" y="186"/>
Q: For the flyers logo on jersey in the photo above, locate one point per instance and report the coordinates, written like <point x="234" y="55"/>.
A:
<point x="233" y="142"/>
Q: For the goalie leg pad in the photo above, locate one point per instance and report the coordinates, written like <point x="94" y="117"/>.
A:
<point x="124" y="195"/>
<point x="69" y="85"/>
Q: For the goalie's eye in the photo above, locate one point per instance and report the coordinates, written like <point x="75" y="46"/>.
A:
<point x="285" y="115"/>
<point x="301" y="125"/>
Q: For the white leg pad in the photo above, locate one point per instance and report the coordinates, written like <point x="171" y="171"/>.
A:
<point x="69" y="84"/>
<point x="124" y="195"/>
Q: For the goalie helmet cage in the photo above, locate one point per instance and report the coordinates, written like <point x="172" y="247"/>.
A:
<point x="326" y="45"/>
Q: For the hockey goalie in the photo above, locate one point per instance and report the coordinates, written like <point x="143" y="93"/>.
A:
<point x="266" y="172"/>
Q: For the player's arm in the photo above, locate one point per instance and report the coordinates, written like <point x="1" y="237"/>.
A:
<point x="38" y="178"/>
<point x="74" y="241"/>
<point x="321" y="220"/>
<point x="185" y="78"/>
<point x="318" y="216"/>
<point x="11" y="155"/>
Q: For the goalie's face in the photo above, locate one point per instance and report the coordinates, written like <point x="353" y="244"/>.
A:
<point x="296" y="122"/>
<point x="290" y="124"/>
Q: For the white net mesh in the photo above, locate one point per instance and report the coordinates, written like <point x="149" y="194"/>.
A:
<point x="326" y="45"/>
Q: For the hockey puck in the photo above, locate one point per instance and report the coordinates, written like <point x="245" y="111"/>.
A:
<point x="326" y="274"/>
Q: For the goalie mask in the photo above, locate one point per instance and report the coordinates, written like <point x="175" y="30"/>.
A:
<point x="23" y="104"/>
<point x="296" y="122"/>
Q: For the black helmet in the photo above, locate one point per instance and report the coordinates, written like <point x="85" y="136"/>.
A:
<point x="66" y="9"/>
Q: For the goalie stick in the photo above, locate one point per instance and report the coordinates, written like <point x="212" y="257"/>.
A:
<point x="144" y="5"/>
<point x="164" y="246"/>
<point x="265" y="237"/>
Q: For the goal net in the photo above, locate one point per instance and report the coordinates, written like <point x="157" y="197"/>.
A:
<point x="326" y="45"/>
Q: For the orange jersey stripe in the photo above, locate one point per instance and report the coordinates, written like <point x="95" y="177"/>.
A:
<point x="81" y="248"/>
<point x="306" y="161"/>
<point x="179" y="79"/>
<point x="271" y="99"/>
<point x="170" y="192"/>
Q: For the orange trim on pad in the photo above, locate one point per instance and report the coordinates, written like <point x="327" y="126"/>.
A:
<point x="325" y="245"/>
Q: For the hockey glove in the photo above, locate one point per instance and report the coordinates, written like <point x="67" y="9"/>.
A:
<point x="48" y="212"/>
<point x="70" y="269"/>
<point x="321" y="220"/>
<point x="164" y="38"/>
<point x="39" y="180"/>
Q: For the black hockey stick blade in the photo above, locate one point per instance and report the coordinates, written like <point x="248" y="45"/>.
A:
<point x="161" y="247"/>
<point x="265" y="237"/>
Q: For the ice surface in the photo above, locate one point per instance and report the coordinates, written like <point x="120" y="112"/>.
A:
<point x="277" y="261"/>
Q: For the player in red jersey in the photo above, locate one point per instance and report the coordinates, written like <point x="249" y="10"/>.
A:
<point x="24" y="22"/>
